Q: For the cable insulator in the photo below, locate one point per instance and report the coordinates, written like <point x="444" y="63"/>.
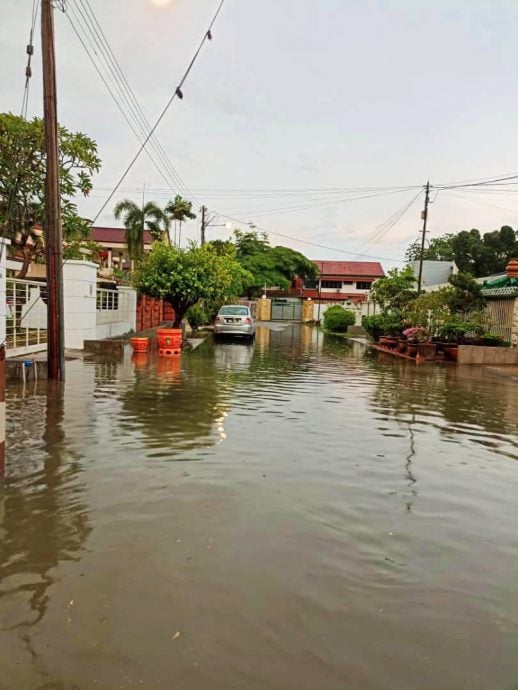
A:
<point x="179" y="93"/>
<point x="30" y="49"/>
<point x="28" y="72"/>
<point x="209" y="35"/>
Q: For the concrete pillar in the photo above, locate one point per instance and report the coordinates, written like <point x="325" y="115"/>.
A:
<point x="129" y="298"/>
<point x="264" y="309"/>
<point x="4" y="243"/>
<point x="514" y="326"/>
<point x="80" y="293"/>
<point x="109" y="258"/>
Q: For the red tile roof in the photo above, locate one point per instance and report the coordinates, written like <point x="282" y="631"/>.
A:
<point x="367" y="269"/>
<point x="114" y="236"/>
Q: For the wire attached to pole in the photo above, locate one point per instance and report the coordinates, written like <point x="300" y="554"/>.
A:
<point x="178" y="93"/>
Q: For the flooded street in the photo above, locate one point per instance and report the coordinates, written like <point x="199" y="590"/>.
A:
<point x="296" y="514"/>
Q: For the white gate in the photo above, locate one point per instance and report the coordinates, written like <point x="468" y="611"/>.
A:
<point x="26" y="316"/>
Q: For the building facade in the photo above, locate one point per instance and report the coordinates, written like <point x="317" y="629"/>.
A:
<point x="114" y="253"/>
<point x="341" y="281"/>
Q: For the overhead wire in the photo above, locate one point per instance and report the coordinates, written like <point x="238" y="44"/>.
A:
<point x="135" y="121"/>
<point x="176" y="94"/>
<point x="30" y="52"/>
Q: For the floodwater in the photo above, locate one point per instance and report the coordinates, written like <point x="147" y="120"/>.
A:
<point x="293" y="515"/>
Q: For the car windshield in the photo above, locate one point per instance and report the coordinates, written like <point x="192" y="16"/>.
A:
<point x="234" y="311"/>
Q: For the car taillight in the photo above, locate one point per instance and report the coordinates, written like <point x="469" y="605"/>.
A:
<point x="218" y="319"/>
<point x="248" y="319"/>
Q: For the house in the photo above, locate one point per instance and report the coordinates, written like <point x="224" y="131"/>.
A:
<point x="114" y="252"/>
<point x="341" y="281"/>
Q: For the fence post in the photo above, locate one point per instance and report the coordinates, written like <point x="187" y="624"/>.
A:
<point x="4" y="243"/>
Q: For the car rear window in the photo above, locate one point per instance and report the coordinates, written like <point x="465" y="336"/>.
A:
<point x="234" y="311"/>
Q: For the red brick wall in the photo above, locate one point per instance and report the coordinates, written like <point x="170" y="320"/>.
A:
<point x="152" y="312"/>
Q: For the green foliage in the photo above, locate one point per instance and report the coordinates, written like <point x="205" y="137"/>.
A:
<point x="396" y="290"/>
<point x="178" y="210"/>
<point x="337" y="319"/>
<point x="72" y="250"/>
<point x="479" y="255"/>
<point x="183" y="277"/>
<point x="196" y="316"/>
<point x="392" y="323"/>
<point x="374" y="325"/>
<point x="22" y="176"/>
<point x="270" y="266"/>
<point x="466" y="294"/>
<point x="136" y="220"/>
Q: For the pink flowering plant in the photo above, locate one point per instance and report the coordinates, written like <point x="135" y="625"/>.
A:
<point x="417" y="334"/>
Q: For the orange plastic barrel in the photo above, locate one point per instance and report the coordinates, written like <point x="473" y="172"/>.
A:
<point x="139" y="344"/>
<point x="169" y="340"/>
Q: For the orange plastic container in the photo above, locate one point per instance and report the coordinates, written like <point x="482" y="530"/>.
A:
<point x="139" y="344"/>
<point x="169" y="341"/>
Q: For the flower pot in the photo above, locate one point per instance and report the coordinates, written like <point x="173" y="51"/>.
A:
<point x="411" y="349"/>
<point x="427" y="351"/>
<point x="451" y="352"/>
<point x="139" y="344"/>
<point x="169" y="341"/>
<point x="382" y="341"/>
<point x="391" y="342"/>
<point x="402" y="345"/>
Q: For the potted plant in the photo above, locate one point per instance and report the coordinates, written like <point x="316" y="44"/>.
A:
<point x="392" y="327"/>
<point x="414" y="336"/>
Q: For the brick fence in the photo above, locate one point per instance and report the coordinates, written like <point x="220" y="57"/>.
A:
<point x="152" y="312"/>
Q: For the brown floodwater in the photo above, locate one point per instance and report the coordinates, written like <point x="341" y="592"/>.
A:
<point x="293" y="515"/>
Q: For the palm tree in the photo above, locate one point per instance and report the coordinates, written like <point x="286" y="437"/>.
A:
<point x="179" y="210"/>
<point x="136" y="220"/>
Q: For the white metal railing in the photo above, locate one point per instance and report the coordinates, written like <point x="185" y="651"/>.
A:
<point x="26" y="316"/>
<point x="500" y="313"/>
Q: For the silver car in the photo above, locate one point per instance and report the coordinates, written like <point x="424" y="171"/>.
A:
<point x="234" y="319"/>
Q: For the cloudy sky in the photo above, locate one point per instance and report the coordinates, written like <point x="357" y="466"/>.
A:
<point x="294" y="105"/>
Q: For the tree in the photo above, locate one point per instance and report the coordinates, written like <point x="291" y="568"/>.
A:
<point x="396" y="290"/>
<point x="479" y="255"/>
<point x="465" y="295"/>
<point x="22" y="179"/>
<point x="178" y="210"/>
<point x="136" y="220"/>
<point x="183" y="277"/>
<point x="273" y="266"/>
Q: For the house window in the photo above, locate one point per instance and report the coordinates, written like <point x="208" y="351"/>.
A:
<point x="335" y="284"/>
<point x="347" y="282"/>
<point x="310" y="284"/>
<point x="363" y="285"/>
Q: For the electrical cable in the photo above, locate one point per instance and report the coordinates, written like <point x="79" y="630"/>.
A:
<point x="173" y="180"/>
<point x="30" y="52"/>
<point x="176" y="94"/>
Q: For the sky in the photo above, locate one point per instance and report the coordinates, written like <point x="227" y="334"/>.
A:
<point x="293" y="105"/>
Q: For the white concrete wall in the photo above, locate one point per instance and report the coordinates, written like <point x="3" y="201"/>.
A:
<point x="361" y="310"/>
<point x="114" y="322"/>
<point x="79" y="289"/>
<point x="4" y="244"/>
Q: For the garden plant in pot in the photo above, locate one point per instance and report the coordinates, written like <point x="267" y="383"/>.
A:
<point x="414" y="336"/>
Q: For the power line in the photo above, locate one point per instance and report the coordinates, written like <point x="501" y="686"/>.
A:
<point x="84" y="24"/>
<point x="298" y="239"/>
<point x="30" y="53"/>
<point x="176" y="94"/>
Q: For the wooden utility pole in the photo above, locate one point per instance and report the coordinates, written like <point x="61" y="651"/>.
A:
<point x="203" y="225"/>
<point x="424" y="216"/>
<point x="53" y="234"/>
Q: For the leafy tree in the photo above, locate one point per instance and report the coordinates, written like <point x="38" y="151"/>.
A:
<point x="273" y="266"/>
<point x="136" y="220"/>
<point x="465" y="295"/>
<point x="22" y="178"/>
<point x="178" y="210"/>
<point x="438" y="249"/>
<point x="396" y="290"/>
<point x="477" y="254"/>
<point x="183" y="277"/>
<point x="337" y="319"/>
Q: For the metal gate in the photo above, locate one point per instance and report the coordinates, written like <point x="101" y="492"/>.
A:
<point x="26" y="317"/>
<point x="286" y="309"/>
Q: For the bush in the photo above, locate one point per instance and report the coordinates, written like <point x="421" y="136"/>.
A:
<point x="337" y="319"/>
<point x="373" y="325"/>
<point x="196" y="317"/>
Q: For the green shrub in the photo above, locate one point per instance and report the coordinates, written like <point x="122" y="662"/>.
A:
<point x="337" y="319"/>
<point x="373" y="325"/>
<point x="196" y="316"/>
